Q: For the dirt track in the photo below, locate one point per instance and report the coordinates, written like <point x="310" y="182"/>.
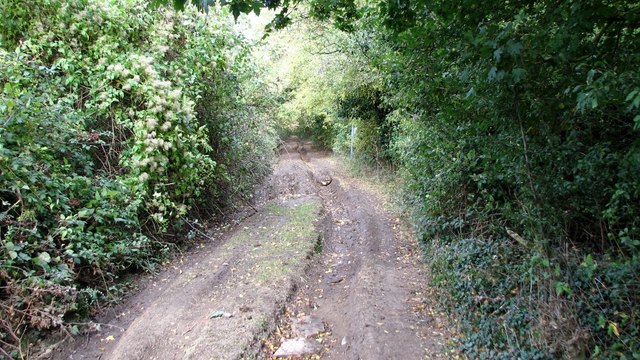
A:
<point x="366" y="284"/>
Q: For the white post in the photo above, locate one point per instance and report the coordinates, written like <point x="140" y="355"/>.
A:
<point x="353" y="137"/>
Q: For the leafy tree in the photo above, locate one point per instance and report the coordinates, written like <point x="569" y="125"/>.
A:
<point x="515" y="128"/>
<point x="120" y="124"/>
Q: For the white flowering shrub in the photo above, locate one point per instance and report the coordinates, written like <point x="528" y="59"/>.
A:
<point x="117" y="121"/>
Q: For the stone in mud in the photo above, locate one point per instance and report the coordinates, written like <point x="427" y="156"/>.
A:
<point x="307" y="326"/>
<point x="297" y="347"/>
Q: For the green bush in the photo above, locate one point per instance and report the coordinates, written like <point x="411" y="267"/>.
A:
<point x="119" y="122"/>
<point x="515" y="129"/>
<point x="523" y="120"/>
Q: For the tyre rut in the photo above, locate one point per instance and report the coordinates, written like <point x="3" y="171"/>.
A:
<point x="364" y="283"/>
<point x="217" y="304"/>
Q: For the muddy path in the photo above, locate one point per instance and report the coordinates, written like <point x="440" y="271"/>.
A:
<point x="368" y="285"/>
<point x="321" y="245"/>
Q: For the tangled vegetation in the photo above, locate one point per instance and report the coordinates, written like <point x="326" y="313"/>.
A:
<point x="120" y="125"/>
<point x="514" y="131"/>
<point x="512" y="128"/>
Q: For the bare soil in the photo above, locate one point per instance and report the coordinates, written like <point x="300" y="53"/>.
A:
<point x="321" y="243"/>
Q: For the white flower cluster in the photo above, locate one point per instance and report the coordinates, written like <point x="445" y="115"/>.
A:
<point x="144" y="62"/>
<point x="154" y="143"/>
<point x="164" y="102"/>
<point x="152" y="163"/>
<point x="164" y="30"/>
<point x="119" y="69"/>
<point x="130" y="79"/>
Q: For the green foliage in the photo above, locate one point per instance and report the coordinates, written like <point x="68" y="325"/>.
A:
<point x="118" y="122"/>
<point x="327" y="87"/>
<point x="496" y="316"/>
<point x="515" y="128"/>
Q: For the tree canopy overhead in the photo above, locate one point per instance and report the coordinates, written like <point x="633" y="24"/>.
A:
<point x="514" y="128"/>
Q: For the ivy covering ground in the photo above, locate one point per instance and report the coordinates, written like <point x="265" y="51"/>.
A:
<point x="120" y="123"/>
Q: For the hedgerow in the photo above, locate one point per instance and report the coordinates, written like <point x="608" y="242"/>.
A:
<point x="514" y="129"/>
<point x="120" y="122"/>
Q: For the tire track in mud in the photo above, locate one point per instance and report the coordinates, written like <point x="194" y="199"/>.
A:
<point x="368" y="284"/>
<point x="216" y="304"/>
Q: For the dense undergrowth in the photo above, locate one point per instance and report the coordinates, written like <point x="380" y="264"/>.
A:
<point x="513" y="127"/>
<point x="120" y="125"/>
<point x="515" y="131"/>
